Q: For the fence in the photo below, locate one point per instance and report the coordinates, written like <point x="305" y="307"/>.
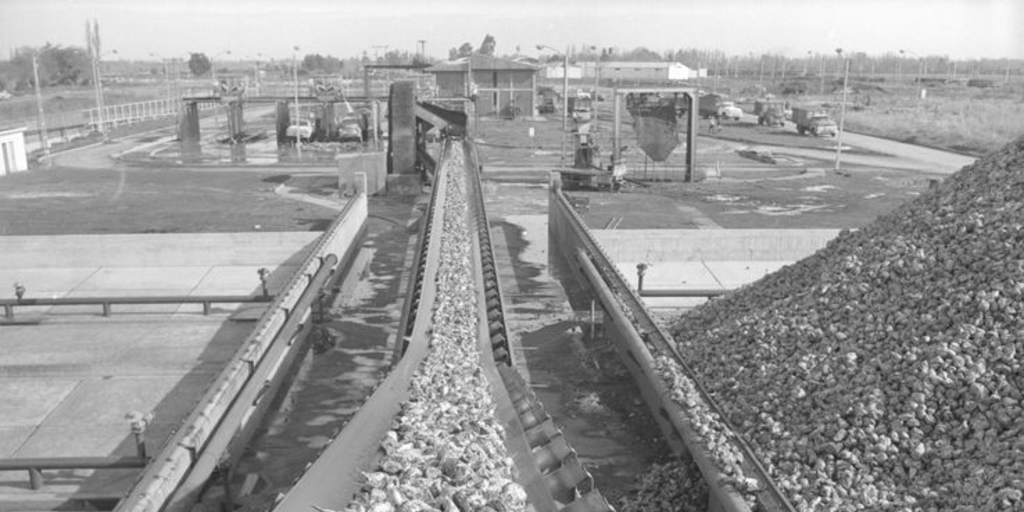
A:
<point x="129" y="113"/>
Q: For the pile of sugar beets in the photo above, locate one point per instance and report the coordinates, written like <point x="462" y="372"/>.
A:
<point x="885" y="371"/>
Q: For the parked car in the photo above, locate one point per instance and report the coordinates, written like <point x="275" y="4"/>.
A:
<point x="4" y="95"/>
<point x="729" y="110"/>
<point x="350" y="130"/>
<point x="303" y="130"/>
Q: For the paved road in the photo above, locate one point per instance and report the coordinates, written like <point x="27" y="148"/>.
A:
<point x="894" y="154"/>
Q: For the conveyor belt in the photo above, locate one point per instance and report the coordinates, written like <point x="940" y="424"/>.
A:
<point x="644" y="341"/>
<point x="548" y="468"/>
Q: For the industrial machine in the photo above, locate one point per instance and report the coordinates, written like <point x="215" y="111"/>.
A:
<point x="581" y="107"/>
<point x="587" y="171"/>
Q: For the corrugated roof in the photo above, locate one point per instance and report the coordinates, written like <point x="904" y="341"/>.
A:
<point x="481" y="62"/>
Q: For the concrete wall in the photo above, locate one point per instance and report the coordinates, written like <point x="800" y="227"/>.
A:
<point x="374" y="165"/>
<point x="658" y="245"/>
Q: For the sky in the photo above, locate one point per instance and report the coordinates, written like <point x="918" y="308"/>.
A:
<point x="961" y="29"/>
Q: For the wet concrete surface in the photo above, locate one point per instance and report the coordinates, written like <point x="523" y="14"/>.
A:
<point x="579" y="378"/>
<point x="345" y="360"/>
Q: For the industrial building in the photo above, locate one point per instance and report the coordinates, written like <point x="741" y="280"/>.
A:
<point x="631" y="72"/>
<point x="502" y="87"/>
<point x="12" y="151"/>
<point x="554" y="70"/>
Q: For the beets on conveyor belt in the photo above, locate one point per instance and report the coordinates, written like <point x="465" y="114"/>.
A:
<point x="885" y="371"/>
<point x="446" y="450"/>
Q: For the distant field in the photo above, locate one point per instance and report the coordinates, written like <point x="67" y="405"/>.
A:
<point x="966" y="119"/>
<point x="975" y="122"/>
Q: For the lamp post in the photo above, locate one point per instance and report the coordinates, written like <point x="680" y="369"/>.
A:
<point x="42" y="116"/>
<point x="213" y="67"/>
<point x="565" y="99"/>
<point x="167" y="75"/>
<point x="295" y="77"/>
<point x="256" y="75"/>
<point x="98" y="83"/>
<point x="842" y="108"/>
<point x="899" y="66"/>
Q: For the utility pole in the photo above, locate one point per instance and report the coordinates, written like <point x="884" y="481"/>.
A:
<point x="298" y="124"/>
<point x="842" y="110"/>
<point x="565" y="106"/>
<point x="821" y="73"/>
<point x="42" y="116"/>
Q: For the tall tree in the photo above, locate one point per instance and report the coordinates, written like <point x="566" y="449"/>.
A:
<point x="198" y="64"/>
<point x="487" y="47"/>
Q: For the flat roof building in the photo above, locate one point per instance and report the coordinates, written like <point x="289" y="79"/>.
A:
<point x="13" y="157"/>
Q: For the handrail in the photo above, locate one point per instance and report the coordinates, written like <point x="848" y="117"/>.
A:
<point x="106" y="302"/>
<point x="35" y="466"/>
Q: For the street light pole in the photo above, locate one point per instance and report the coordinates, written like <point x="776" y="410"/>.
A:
<point x="899" y="67"/>
<point x="565" y="106"/>
<point x="842" y="110"/>
<point x="565" y="99"/>
<point x="42" y="116"/>
<point x="167" y="74"/>
<point x="298" y="126"/>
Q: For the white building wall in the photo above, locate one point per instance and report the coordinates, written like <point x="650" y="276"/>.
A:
<point x="555" y="71"/>
<point x="12" y="151"/>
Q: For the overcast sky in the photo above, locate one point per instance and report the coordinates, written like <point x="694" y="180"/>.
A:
<point x="171" y="28"/>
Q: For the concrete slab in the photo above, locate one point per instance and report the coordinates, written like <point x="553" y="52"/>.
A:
<point x="733" y="274"/>
<point x="655" y="245"/>
<point x="106" y="401"/>
<point x="68" y="382"/>
<point x="191" y="249"/>
<point x="84" y="440"/>
<point x="27" y="402"/>
<point x="57" y="344"/>
<point x="242" y="280"/>
<point x="164" y="279"/>
<point x="46" y="282"/>
<point x="671" y="275"/>
<point x="11" y="438"/>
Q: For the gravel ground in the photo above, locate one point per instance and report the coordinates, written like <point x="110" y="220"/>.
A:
<point x="884" y="372"/>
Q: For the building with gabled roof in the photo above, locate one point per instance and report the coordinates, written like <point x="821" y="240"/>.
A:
<point x="502" y="87"/>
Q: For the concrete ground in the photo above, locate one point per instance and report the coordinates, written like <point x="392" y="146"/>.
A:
<point x="69" y="376"/>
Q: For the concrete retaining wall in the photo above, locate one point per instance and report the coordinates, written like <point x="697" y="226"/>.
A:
<point x="659" y="245"/>
<point x="373" y="165"/>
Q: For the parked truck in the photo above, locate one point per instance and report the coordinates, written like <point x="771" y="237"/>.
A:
<point x="708" y="105"/>
<point x="815" y="121"/>
<point x="770" y="112"/>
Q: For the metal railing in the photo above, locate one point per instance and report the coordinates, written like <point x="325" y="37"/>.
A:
<point x="129" y="113"/>
<point x="107" y="302"/>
